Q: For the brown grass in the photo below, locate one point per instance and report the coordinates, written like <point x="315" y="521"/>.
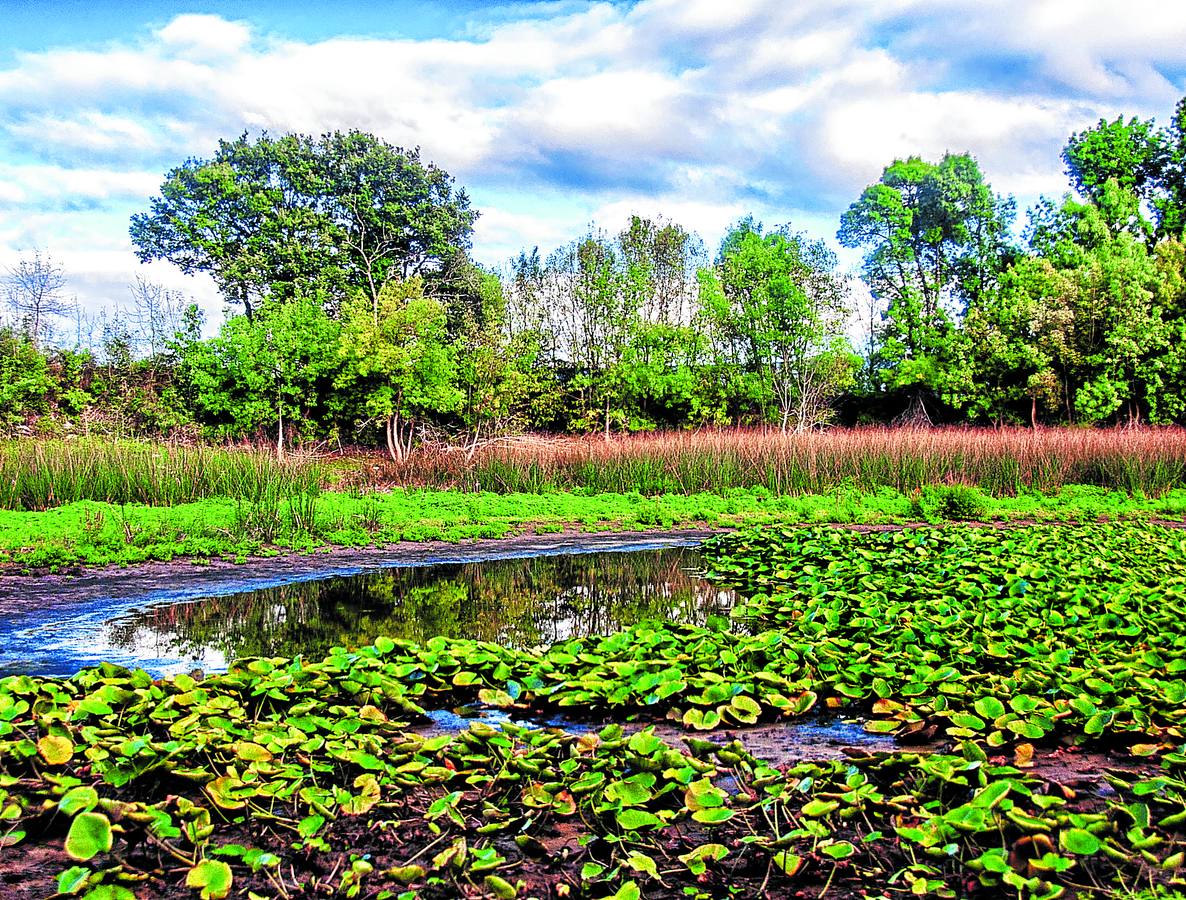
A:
<point x="1000" y="461"/>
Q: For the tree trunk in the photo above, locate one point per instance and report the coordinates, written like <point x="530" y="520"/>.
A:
<point x="473" y="444"/>
<point x="1034" y="412"/>
<point x="280" y="431"/>
<point x="390" y="435"/>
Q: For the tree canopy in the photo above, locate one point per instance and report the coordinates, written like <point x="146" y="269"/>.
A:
<point x="358" y="314"/>
<point x="277" y="218"/>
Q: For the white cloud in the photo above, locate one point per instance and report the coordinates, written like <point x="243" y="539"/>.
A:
<point x="40" y="186"/>
<point x="205" y="36"/>
<point x="692" y="108"/>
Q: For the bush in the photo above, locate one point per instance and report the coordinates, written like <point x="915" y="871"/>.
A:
<point x="950" y="501"/>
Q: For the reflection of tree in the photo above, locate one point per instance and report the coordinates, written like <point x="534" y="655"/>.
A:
<point x="519" y="602"/>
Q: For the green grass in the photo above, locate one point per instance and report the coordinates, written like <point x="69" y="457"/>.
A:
<point x="36" y="475"/>
<point x="96" y="534"/>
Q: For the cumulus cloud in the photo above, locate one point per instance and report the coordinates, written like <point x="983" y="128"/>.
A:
<point x="558" y="114"/>
<point x="205" y="37"/>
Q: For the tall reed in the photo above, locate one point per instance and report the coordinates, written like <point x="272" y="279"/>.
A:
<point x="38" y="475"/>
<point x="999" y="461"/>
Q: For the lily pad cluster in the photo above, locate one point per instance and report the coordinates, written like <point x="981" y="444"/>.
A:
<point x="296" y="778"/>
<point x="1001" y="636"/>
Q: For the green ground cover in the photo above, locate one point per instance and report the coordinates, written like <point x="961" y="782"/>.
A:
<point x="96" y="534"/>
<point x="1005" y="648"/>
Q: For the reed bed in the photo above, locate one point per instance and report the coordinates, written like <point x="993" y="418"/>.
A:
<point x="1002" y="462"/>
<point x="38" y="475"/>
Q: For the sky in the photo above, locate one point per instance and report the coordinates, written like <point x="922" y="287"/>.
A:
<point x="558" y="115"/>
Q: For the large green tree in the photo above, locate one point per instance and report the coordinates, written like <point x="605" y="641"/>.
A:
<point x="298" y="215"/>
<point x="936" y="238"/>
<point x="780" y="306"/>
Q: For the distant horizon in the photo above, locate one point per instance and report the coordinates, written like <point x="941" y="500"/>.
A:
<point x="561" y="115"/>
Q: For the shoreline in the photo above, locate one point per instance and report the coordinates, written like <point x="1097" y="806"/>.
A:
<point x="289" y="565"/>
<point x="194" y="577"/>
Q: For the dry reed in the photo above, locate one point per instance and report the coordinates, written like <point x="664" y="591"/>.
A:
<point x="1000" y="461"/>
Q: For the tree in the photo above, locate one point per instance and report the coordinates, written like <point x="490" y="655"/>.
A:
<point x="494" y="367"/>
<point x="781" y="306"/>
<point x="1017" y="349"/>
<point x="33" y="288"/>
<point x="26" y="383"/>
<point x="1086" y="321"/>
<point x="278" y="369"/>
<point x="1171" y="204"/>
<point x="396" y="217"/>
<point x="156" y="315"/>
<point x="591" y="317"/>
<point x="936" y="240"/>
<point x="660" y="261"/>
<point x="1139" y="158"/>
<point x="400" y="349"/>
<point x="301" y="216"/>
<point x="1130" y="153"/>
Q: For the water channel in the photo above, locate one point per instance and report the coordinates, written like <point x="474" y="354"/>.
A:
<point x="185" y="618"/>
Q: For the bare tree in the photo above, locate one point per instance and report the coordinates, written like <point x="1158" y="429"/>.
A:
<point x="34" y="290"/>
<point x="156" y="315"/>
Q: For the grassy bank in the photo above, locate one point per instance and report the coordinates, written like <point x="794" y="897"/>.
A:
<point x="94" y="533"/>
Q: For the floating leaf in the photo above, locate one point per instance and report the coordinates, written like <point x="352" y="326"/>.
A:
<point x="212" y="877"/>
<point x="1079" y="841"/>
<point x="789" y="862"/>
<point x="83" y="798"/>
<point x="818" y="808"/>
<point x="634" y="819"/>
<point x="55" y="749"/>
<point x="89" y="835"/>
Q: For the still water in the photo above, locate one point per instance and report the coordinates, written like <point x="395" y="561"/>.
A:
<point x="519" y="602"/>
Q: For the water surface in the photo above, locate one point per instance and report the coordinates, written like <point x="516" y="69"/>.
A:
<point x="521" y="602"/>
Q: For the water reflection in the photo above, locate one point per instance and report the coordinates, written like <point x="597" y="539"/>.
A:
<point x="517" y="602"/>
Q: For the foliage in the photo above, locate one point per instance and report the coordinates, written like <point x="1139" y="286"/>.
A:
<point x="259" y="373"/>
<point x="936" y="239"/>
<point x="25" y="380"/>
<point x="302" y="216"/>
<point x="398" y="343"/>
<point x="1083" y="322"/>
<point x="777" y="308"/>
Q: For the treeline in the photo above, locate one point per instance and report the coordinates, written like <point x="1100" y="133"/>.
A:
<point x="357" y="312"/>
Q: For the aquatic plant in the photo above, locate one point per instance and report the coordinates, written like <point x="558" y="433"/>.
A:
<point x="283" y="776"/>
<point x="38" y="475"/>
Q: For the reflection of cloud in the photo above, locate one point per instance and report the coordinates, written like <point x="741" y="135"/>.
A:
<point x="575" y="108"/>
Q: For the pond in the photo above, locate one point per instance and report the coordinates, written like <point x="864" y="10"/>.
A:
<point x="184" y="618"/>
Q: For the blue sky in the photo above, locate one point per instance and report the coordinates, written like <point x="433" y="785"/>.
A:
<point x="556" y="115"/>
